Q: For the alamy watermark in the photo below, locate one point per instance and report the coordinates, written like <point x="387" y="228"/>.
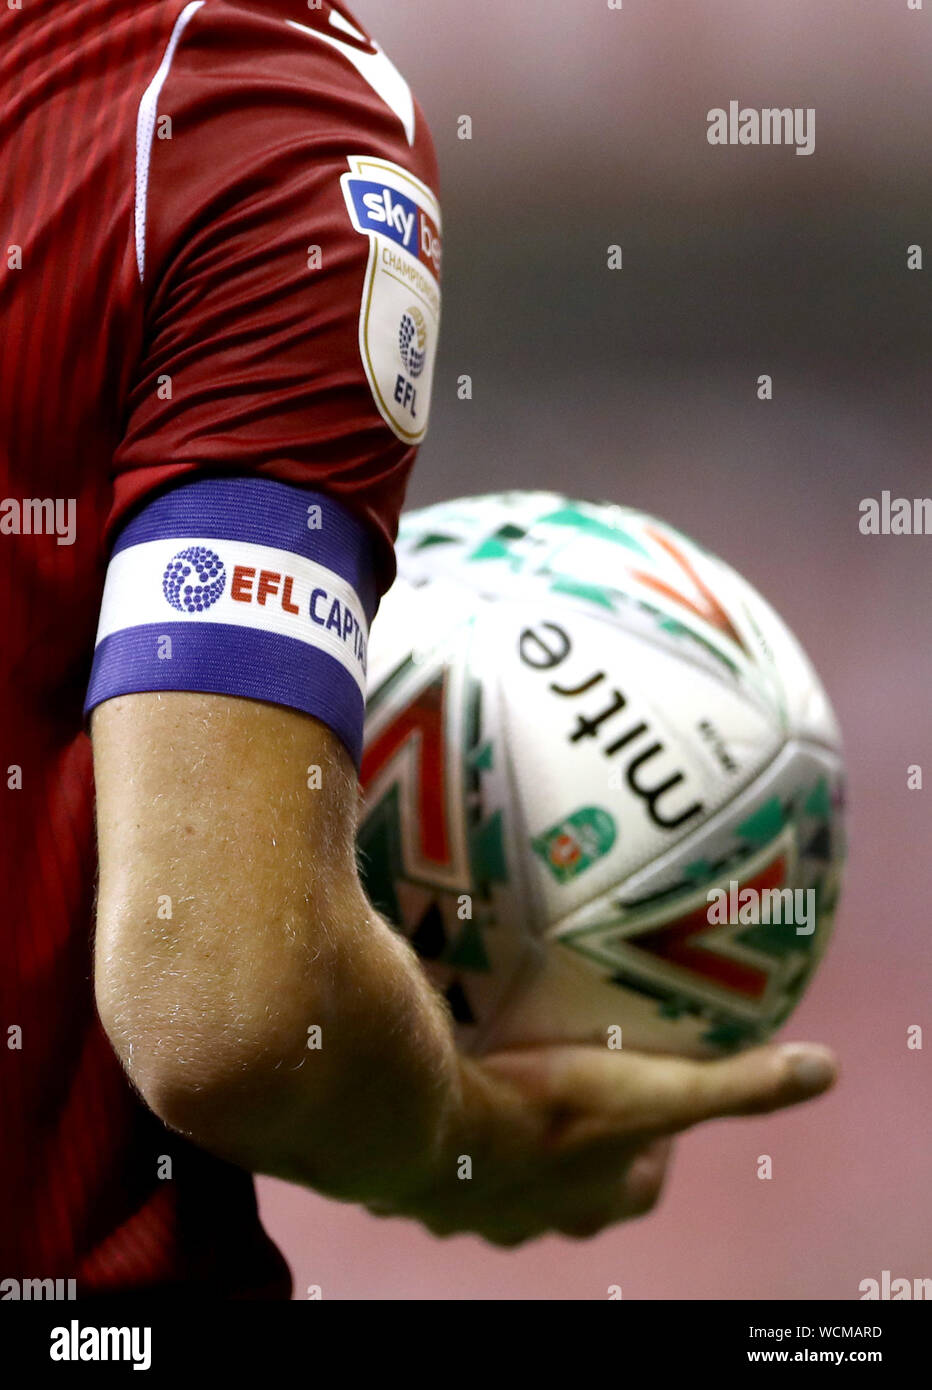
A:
<point x="895" y="516"/>
<point x="769" y="125"/>
<point x="39" y="516"/>
<point x="737" y="906"/>
<point x="77" y="1343"/>
<point x="890" y="1287"/>
<point x="36" y="1290"/>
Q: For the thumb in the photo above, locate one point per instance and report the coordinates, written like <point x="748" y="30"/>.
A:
<point x="752" y="1083"/>
<point x="641" y="1094"/>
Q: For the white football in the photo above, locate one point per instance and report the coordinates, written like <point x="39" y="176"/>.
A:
<point x="603" y="783"/>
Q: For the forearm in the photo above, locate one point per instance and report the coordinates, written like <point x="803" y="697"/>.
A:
<point x="257" y="1001"/>
<point x="348" y="1083"/>
<point x="367" y="1113"/>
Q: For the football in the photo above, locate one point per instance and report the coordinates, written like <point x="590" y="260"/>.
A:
<point x="603" y="785"/>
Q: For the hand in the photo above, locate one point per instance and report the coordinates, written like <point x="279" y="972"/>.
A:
<point x="572" y="1139"/>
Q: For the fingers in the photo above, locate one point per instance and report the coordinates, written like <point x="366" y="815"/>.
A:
<point x="645" y="1178"/>
<point x="582" y="1210"/>
<point x="574" y="1138"/>
<point x="597" y="1092"/>
<point x="636" y="1193"/>
<point x="590" y="1207"/>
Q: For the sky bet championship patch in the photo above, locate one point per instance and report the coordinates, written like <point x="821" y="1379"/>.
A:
<point x="399" y="318"/>
<point x="241" y="586"/>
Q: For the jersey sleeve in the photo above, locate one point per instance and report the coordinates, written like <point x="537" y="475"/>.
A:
<point x="287" y="243"/>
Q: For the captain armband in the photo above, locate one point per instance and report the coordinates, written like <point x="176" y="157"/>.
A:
<point x="241" y="586"/>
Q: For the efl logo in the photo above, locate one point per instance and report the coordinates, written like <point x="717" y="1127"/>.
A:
<point x="195" y="579"/>
<point x="412" y="340"/>
<point x="400" y="217"/>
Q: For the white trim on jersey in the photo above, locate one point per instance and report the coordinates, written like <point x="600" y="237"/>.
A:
<point x="145" y="130"/>
<point x="377" y="69"/>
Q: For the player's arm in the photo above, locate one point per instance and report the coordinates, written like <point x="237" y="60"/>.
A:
<point x="231" y="922"/>
<point x="254" y="996"/>
<point x="230" y="917"/>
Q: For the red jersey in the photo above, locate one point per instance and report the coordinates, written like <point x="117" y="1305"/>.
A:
<point x="220" y="256"/>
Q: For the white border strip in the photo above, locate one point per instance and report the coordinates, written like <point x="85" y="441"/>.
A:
<point x="133" y="597"/>
<point x="145" y="129"/>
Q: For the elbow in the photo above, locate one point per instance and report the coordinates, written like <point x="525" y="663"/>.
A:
<point x="224" y="1087"/>
<point x="170" y="1074"/>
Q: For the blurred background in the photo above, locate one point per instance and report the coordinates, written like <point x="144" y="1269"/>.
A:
<point x="640" y="386"/>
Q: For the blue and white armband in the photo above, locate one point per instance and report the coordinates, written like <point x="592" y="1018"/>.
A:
<point x="241" y="586"/>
